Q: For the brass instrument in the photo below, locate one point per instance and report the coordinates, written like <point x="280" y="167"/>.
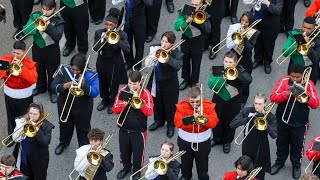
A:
<point x="160" y="165"/>
<point x="135" y="102"/>
<point x="29" y="130"/>
<point x="75" y="90"/>
<point x="254" y="173"/>
<point x="3" y="14"/>
<point x="301" y="98"/>
<point x="161" y="54"/>
<point x="94" y="158"/>
<point x="260" y="123"/>
<point x="230" y="73"/>
<point x="236" y="37"/>
<point x="40" y="23"/>
<point x="15" y="68"/>
<point x="312" y="160"/>
<point x="304" y="49"/>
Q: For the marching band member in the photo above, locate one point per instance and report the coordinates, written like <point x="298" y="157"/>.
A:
<point x="132" y="135"/>
<point x="227" y="98"/>
<point x="167" y="149"/>
<point x="244" y="166"/>
<point x="313" y="154"/>
<point x="81" y="162"/>
<point x="46" y="50"/>
<point x="313" y="10"/>
<point x="7" y="169"/>
<point x="312" y="59"/>
<point x="80" y="113"/>
<point x="191" y="134"/>
<point x="110" y="65"/>
<point x="244" y="49"/>
<point x="292" y="133"/>
<point x="256" y="143"/>
<point x="192" y="48"/>
<point x="97" y="9"/>
<point x="18" y="89"/>
<point x="32" y="153"/>
<point x="21" y="12"/>
<point x="231" y="7"/>
<point x="165" y="84"/>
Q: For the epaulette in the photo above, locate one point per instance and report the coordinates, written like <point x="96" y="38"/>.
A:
<point x="59" y="71"/>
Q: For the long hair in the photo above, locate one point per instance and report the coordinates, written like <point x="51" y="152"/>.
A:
<point x="36" y="106"/>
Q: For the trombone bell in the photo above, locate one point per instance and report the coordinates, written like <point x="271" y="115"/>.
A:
<point x="30" y="130"/>
<point x="94" y="158"/>
<point x="160" y="167"/>
<point x="201" y="120"/>
<point x="231" y="73"/>
<point x="237" y="38"/>
<point x="261" y="124"/>
<point x="113" y="37"/>
<point x="304" y="98"/>
<point x="41" y="24"/>
<point x="76" y="91"/>
<point x="303" y="49"/>
<point x="15" y="69"/>
<point x="199" y="17"/>
<point x="162" y="56"/>
<point x="137" y="103"/>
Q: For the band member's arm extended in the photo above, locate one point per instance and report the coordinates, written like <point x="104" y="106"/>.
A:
<point x="91" y="86"/>
<point x="107" y="162"/>
<point x="229" y="42"/>
<point x="44" y="136"/>
<point x="81" y="164"/>
<point x="288" y="48"/>
<point x="313" y="102"/>
<point x="313" y="153"/>
<point x="97" y="37"/>
<point x="176" y="62"/>
<point x="243" y="76"/>
<point x="123" y="43"/>
<point x="147" y="108"/>
<point x="279" y="93"/>
<point x="19" y="123"/>
<point x="118" y="105"/>
<point x="55" y="31"/>
<point x="216" y="82"/>
<point x="314" y="53"/>
<point x="57" y="85"/>
<point x="313" y="9"/>
<point x="180" y="23"/>
<point x="209" y="111"/>
<point x="240" y="119"/>
<point x="178" y="116"/>
<point x="272" y="126"/>
<point x="29" y="73"/>
<point x="276" y="8"/>
<point x="31" y="30"/>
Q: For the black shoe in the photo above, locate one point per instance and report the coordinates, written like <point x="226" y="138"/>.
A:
<point x="212" y="55"/>
<point x="183" y="85"/>
<point x="122" y="173"/>
<point x="102" y="106"/>
<point x="255" y="64"/>
<point x="267" y="68"/>
<point x="170" y="132"/>
<point x="53" y="97"/>
<point x="66" y="51"/>
<point x="36" y="92"/>
<point x="213" y="143"/>
<point x="170" y="7"/>
<point x="154" y="126"/>
<point x="306" y="3"/>
<point x="149" y="38"/>
<point x="296" y="172"/>
<point x="59" y="149"/>
<point x="226" y="148"/>
<point x="36" y="2"/>
<point x="98" y="22"/>
<point x="234" y="19"/>
<point x="110" y="109"/>
<point x="275" y="169"/>
<point x="10" y="141"/>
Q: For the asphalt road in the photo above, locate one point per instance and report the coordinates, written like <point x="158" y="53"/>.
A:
<point x="61" y="166"/>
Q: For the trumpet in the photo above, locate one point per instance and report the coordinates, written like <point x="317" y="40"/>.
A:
<point x="260" y="123"/>
<point x="160" y="165"/>
<point x="75" y="90"/>
<point x="29" y="130"/>
<point x="231" y="73"/>
<point x="301" y="98"/>
<point x="161" y="54"/>
<point x="254" y="173"/>
<point x="3" y="14"/>
<point x="312" y="160"/>
<point x="94" y="158"/>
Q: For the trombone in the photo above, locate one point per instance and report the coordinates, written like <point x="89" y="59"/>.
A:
<point x="94" y="158"/>
<point x="15" y="68"/>
<point x="254" y="173"/>
<point x="230" y="73"/>
<point x="301" y="98"/>
<point x="75" y="90"/>
<point x="161" y="54"/>
<point x="135" y="102"/>
<point x="260" y="123"/>
<point x="40" y="23"/>
<point x="28" y="129"/>
<point x="236" y="37"/>
<point x="312" y="160"/>
<point x="160" y="165"/>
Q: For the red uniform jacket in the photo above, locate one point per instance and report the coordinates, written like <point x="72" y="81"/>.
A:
<point x="184" y="109"/>
<point x="232" y="176"/>
<point x="314" y="7"/>
<point x="313" y="153"/>
<point x="14" y="175"/>
<point x="28" y="76"/>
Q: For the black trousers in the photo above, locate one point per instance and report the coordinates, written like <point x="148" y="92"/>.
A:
<point x="80" y="116"/>
<point x="192" y="50"/>
<point x="287" y="15"/>
<point x="261" y="175"/>
<point x="231" y="7"/>
<point x="36" y="168"/>
<point x="290" y="138"/>
<point x="201" y="158"/>
<point x="97" y="9"/>
<point x="165" y="102"/>
<point x="152" y="17"/>
<point x="16" y="108"/>
<point x="76" y="27"/>
<point x="136" y="30"/>
<point x="21" y="12"/>
<point x="48" y="59"/>
<point x="132" y="146"/>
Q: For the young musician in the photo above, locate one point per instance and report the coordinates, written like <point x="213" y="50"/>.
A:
<point x="132" y="135"/>
<point x="310" y="60"/>
<point x="192" y="137"/>
<point x="231" y="7"/>
<point x="18" y="89"/>
<point x="97" y="9"/>
<point x="80" y="114"/>
<point x="76" y="25"/>
<point x="244" y="166"/>
<point x="82" y="164"/>
<point x="227" y="98"/>
<point x="32" y="153"/>
<point x="269" y="27"/>
<point x="192" y="47"/>
<point x="292" y="133"/>
<point x="7" y="169"/>
<point x="256" y="143"/>
<point x="46" y="50"/>
<point x="110" y="65"/>
<point x="165" y="84"/>
<point x="313" y="10"/>
<point x="313" y="154"/>
<point x="21" y="12"/>
<point x="245" y="48"/>
<point x="166" y="151"/>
